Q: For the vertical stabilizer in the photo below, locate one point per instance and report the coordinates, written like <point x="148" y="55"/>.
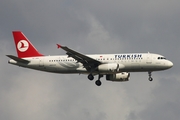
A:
<point x="24" y="47"/>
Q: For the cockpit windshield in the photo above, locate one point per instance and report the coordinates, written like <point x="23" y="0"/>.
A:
<point x="161" y="58"/>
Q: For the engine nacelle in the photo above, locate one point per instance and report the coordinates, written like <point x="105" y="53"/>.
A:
<point x="123" y="76"/>
<point x="110" y="67"/>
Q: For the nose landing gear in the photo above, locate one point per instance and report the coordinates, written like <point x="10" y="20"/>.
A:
<point x="150" y="78"/>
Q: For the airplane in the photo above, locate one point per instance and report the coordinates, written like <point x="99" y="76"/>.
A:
<point x="115" y="67"/>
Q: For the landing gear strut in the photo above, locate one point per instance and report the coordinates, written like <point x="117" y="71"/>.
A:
<point x="98" y="82"/>
<point x="150" y="78"/>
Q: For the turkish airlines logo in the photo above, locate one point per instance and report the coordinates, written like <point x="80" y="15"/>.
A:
<point x="22" y="45"/>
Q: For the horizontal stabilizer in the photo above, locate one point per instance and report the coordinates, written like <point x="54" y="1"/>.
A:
<point x="18" y="59"/>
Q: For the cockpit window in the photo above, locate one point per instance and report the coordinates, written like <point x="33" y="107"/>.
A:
<point x="161" y="58"/>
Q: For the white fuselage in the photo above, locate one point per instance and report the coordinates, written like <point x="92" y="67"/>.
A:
<point x="132" y="62"/>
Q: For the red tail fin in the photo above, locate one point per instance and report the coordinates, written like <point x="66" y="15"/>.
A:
<point x="24" y="47"/>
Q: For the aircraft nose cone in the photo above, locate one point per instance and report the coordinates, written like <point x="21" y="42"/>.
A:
<point x="169" y="64"/>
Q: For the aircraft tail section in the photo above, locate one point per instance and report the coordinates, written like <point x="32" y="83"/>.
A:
<point x="17" y="59"/>
<point x="24" y="47"/>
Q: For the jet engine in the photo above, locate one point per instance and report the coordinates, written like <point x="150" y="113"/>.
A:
<point x="110" y="67"/>
<point x="119" y="77"/>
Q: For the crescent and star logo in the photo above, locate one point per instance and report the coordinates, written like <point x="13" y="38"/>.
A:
<point x="22" y="45"/>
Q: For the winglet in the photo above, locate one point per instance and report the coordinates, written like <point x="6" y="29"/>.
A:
<point x="58" y="46"/>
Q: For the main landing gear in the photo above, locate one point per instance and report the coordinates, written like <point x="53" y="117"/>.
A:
<point x="90" y="77"/>
<point x="150" y="78"/>
<point x="98" y="82"/>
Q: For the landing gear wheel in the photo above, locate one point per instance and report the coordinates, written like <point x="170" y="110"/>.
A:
<point x="90" y="77"/>
<point x="98" y="83"/>
<point x="150" y="79"/>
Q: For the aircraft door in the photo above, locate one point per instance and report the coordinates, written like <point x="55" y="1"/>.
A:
<point x="149" y="59"/>
<point x="41" y="63"/>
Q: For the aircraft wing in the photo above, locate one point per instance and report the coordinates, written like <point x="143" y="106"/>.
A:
<point x="88" y="62"/>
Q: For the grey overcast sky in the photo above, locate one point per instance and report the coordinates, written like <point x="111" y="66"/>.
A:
<point x="90" y="26"/>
